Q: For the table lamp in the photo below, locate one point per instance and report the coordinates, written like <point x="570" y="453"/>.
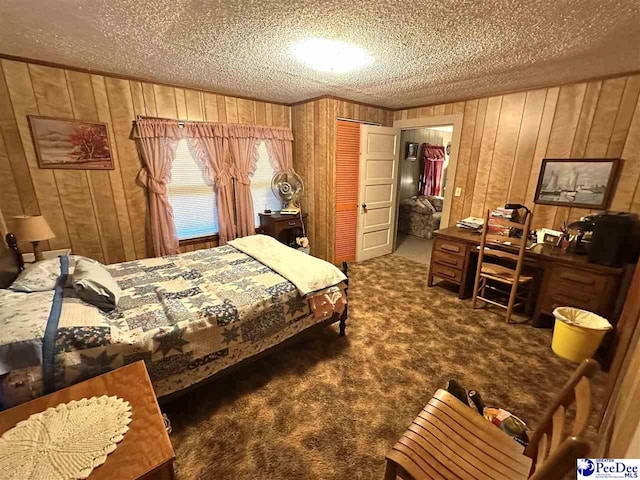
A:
<point x="34" y="229"/>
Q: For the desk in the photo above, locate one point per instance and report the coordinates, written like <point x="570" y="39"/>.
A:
<point x="561" y="279"/>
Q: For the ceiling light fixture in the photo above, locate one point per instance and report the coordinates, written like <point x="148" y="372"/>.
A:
<point x="330" y="55"/>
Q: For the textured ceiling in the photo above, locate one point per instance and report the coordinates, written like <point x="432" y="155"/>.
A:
<point x="424" y="51"/>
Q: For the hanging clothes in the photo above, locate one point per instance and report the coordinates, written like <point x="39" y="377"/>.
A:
<point x="432" y="159"/>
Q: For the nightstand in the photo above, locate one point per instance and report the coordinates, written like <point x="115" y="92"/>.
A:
<point x="284" y="228"/>
<point x="29" y="258"/>
<point x="145" y="451"/>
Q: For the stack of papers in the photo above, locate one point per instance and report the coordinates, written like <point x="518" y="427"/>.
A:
<point x="472" y="223"/>
<point x="503" y="213"/>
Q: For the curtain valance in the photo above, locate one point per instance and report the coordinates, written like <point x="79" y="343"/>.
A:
<point x="174" y="129"/>
<point x="158" y="139"/>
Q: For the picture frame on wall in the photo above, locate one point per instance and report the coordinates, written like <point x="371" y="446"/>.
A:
<point x="71" y="144"/>
<point x="577" y="182"/>
<point x="411" y="151"/>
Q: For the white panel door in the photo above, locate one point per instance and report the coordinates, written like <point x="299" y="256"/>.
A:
<point x="377" y="210"/>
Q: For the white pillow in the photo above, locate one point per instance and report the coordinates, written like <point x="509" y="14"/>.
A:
<point x="95" y="285"/>
<point x="38" y="277"/>
<point x="41" y="276"/>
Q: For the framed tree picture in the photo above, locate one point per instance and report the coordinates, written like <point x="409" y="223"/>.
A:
<point x="71" y="144"/>
<point x="583" y="183"/>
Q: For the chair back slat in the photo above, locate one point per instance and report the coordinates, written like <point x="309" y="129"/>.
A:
<point x="489" y="241"/>
<point x="494" y="238"/>
<point x="557" y="429"/>
<point x="563" y="460"/>
<point x="542" y="450"/>
<point x="583" y="406"/>
<point x="577" y="390"/>
<point x="507" y="224"/>
<point x="500" y="253"/>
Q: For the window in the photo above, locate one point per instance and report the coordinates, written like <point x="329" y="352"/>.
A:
<point x="261" y="192"/>
<point x="192" y="196"/>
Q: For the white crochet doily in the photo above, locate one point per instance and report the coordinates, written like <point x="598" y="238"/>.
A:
<point x="64" y="442"/>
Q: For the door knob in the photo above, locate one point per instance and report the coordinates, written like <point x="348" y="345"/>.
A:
<point x="364" y="207"/>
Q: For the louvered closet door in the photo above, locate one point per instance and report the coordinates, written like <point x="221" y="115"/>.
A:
<point x="347" y="166"/>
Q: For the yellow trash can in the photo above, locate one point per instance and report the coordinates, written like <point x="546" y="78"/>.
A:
<point x="577" y="333"/>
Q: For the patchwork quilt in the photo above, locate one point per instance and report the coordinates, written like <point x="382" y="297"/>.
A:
<point x="187" y="316"/>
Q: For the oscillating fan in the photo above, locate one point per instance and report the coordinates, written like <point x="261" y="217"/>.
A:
<point x="289" y="187"/>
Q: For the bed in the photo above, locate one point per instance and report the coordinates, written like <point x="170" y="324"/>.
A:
<point x="191" y="317"/>
<point x="420" y="215"/>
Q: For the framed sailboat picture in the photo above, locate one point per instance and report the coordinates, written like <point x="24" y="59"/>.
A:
<point x="582" y="183"/>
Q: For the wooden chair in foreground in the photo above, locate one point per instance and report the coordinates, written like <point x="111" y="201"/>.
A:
<point x="499" y="278"/>
<point x="449" y="440"/>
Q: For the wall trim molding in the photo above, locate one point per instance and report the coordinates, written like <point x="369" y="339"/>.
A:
<point x="46" y="63"/>
<point x="342" y="99"/>
<point x="520" y="90"/>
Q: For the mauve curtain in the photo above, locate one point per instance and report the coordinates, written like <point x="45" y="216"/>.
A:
<point x="210" y="152"/>
<point x="158" y="139"/>
<point x="433" y="162"/>
<point x="244" y="153"/>
<point x="280" y="154"/>
<point x="157" y="154"/>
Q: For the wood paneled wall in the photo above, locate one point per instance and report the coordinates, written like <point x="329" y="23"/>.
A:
<point x="314" y="132"/>
<point x="100" y="214"/>
<point x="3" y="227"/>
<point x="504" y="138"/>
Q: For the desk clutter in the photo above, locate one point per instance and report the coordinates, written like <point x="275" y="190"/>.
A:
<point x="607" y="238"/>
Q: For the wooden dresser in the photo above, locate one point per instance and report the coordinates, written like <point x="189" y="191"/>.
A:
<point x="145" y="452"/>
<point x="449" y="261"/>
<point x="563" y="279"/>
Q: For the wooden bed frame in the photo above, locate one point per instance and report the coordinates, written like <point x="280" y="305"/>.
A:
<point x="11" y="264"/>
<point x="247" y="361"/>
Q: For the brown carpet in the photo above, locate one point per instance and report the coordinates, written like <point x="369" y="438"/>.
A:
<point x="330" y="407"/>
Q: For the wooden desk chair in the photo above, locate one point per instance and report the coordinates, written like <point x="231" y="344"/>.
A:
<point x="504" y="280"/>
<point x="450" y="440"/>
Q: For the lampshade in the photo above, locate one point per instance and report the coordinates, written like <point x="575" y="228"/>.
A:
<point x="32" y="228"/>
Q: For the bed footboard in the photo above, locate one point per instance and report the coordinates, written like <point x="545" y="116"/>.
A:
<point x="345" y="313"/>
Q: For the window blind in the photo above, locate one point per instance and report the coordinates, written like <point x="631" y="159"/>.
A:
<point x="192" y="196"/>
<point x="261" y="192"/>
